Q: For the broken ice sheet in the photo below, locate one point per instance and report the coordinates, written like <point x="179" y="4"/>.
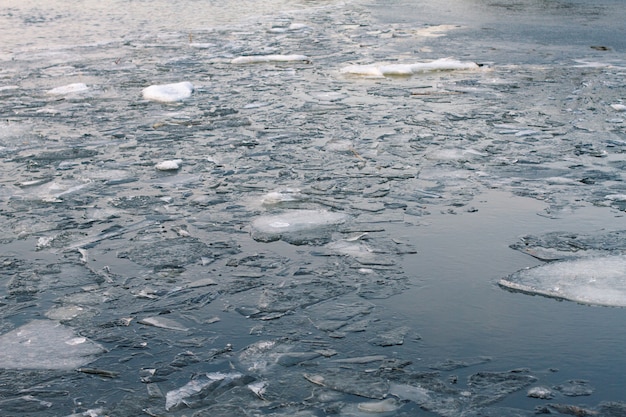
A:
<point x="195" y="392"/>
<point x="46" y="344"/>
<point x="597" y="280"/>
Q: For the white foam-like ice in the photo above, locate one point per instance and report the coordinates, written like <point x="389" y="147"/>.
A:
<point x="168" y="93"/>
<point x="390" y="70"/>
<point x="171" y="165"/>
<point x="598" y="280"/>
<point x="260" y="59"/>
<point x="68" y="89"/>
<point x="45" y="344"/>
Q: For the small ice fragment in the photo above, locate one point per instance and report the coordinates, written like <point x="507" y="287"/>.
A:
<point x="258" y="388"/>
<point x="68" y="89"/>
<point x="163" y="322"/>
<point x="543" y="393"/>
<point x="172" y="165"/>
<point x="418" y="395"/>
<point x="618" y="107"/>
<point x="384" y="406"/>
<point x="259" y="59"/>
<point x="168" y="93"/>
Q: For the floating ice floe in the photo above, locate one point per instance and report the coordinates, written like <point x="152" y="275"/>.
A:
<point x="260" y="59"/>
<point x="172" y="165"/>
<point x="68" y="89"/>
<point x="618" y="107"/>
<point x="298" y="226"/>
<point x="597" y="280"/>
<point x="46" y="344"/>
<point x="390" y="70"/>
<point x="168" y="93"/>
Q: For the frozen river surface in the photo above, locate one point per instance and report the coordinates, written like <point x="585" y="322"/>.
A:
<point x="315" y="208"/>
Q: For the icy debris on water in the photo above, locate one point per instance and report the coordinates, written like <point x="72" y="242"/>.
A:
<point x="194" y="394"/>
<point x="171" y="165"/>
<point x="68" y="89"/>
<point x="390" y="70"/>
<point x="543" y="393"/>
<point x="46" y="344"/>
<point x="168" y="93"/>
<point x="163" y="322"/>
<point x="385" y="406"/>
<point x="565" y="245"/>
<point x="596" y="280"/>
<point x="260" y="59"/>
<point x="575" y="388"/>
<point x="297" y="226"/>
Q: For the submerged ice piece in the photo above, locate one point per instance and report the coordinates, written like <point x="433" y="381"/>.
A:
<point x="261" y="59"/>
<point x="297" y="227"/>
<point x="45" y="344"/>
<point x="68" y="89"/>
<point x="390" y="70"/>
<point x="599" y="280"/>
<point x="168" y="93"/>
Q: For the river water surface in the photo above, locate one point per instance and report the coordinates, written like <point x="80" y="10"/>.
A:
<point x="317" y="242"/>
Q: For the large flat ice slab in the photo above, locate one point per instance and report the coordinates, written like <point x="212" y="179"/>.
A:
<point x="45" y="344"/>
<point x="297" y="226"/>
<point x="598" y="280"/>
<point x="387" y="70"/>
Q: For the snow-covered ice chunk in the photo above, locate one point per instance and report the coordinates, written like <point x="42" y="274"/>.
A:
<point x="46" y="344"/>
<point x="171" y="165"/>
<point x="260" y="59"/>
<point x="387" y="70"/>
<point x="618" y="107"/>
<point x="168" y="93"/>
<point x="598" y="280"/>
<point x="297" y="226"/>
<point x="68" y="89"/>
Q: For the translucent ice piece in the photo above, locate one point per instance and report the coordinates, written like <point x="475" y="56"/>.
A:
<point x="45" y="344"/>
<point x="297" y="226"/>
<point x="168" y="93"/>
<point x="598" y="280"/>
<point x="68" y="89"/>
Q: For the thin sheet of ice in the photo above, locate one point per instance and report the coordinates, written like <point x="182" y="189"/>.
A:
<point x="295" y="222"/>
<point x="386" y="70"/>
<point x="260" y="59"/>
<point x="168" y="93"/>
<point x="599" y="280"/>
<point x="68" y="89"/>
<point x="45" y="344"/>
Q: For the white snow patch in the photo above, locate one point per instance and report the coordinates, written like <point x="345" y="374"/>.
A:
<point x="168" y="93"/>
